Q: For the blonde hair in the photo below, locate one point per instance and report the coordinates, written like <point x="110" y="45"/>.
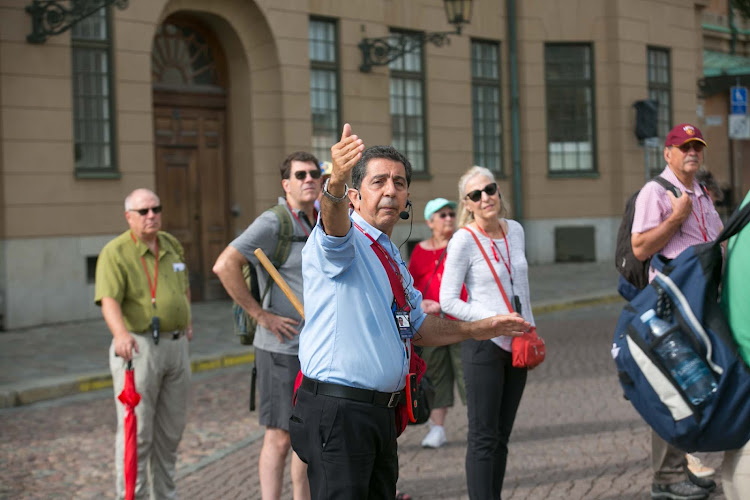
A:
<point x="464" y="215"/>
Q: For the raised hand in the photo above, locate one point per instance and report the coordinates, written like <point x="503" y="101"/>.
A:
<point x="344" y="155"/>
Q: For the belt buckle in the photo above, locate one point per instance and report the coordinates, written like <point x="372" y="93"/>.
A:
<point x="393" y="401"/>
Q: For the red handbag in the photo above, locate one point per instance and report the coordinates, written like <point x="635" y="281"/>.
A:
<point x="529" y="349"/>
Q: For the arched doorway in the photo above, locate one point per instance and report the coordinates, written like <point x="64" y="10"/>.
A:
<point x="189" y="81"/>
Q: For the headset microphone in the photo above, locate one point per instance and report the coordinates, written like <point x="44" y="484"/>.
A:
<point x="404" y="214"/>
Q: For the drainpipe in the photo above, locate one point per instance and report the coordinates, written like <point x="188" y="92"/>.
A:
<point x="733" y="29"/>
<point x="515" y="123"/>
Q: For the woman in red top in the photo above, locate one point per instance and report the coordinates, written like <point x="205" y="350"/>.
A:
<point x="444" y="362"/>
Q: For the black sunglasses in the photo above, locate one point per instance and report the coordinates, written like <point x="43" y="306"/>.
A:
<point x="476" y="195"/>
<point x="443" y="215"/>
<point x="301" y="175"/>
<point x="144" y="211"/>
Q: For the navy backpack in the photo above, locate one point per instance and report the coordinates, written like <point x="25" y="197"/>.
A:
<point x="685" y="292"/>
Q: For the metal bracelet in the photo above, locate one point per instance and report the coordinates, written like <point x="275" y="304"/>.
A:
<point x="331" y="197"/>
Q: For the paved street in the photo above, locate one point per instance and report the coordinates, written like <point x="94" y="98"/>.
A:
<point x="575" y="436"/>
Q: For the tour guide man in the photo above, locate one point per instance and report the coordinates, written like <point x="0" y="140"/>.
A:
<point x="361" y="313"/>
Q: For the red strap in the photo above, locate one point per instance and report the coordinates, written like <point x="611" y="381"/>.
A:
<point x="151" y="286"/>
<point x="497" y="280"/>
<point x="391" y="269"/>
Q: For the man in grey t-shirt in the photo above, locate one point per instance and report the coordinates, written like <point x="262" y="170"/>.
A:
<point x="277" y="336"/>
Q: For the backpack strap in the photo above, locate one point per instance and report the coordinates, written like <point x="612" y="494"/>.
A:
<point x="667" y="185"/>
<point x="286" y="235"/>
<point x="739" y="219"/>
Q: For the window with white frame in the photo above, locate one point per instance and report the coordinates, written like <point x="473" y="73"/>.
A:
<point x="571" y="127"/>
<point x="93" y="100"/>
<point x="407" y="104"/>
<point x="324" y="77"/>
<point x="486" y="105"/>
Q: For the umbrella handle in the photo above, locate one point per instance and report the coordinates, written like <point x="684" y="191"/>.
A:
<point x="130" y="364"/>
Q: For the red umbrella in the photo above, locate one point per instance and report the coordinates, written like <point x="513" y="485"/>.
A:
<point x="130" y="398"/>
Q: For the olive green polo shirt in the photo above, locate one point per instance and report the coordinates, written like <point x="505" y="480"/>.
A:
<point x="120" y="276"/>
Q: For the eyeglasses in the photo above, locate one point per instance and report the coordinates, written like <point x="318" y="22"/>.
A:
<point x="443" y="215"/>
<point x="301" y="175"/>
<point x="476" y="195"/>
<point x="694" y="145"/>
<point x="144" y="211"/>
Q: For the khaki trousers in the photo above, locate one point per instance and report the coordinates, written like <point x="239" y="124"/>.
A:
<point x="162" y="378"/>
<point x="669" y="463"/>
<point x="735" y="473"/>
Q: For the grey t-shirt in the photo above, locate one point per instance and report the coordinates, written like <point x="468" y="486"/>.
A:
<point x="264" y="233"/>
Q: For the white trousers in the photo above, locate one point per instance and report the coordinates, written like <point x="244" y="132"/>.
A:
<point x="735" y="473"/>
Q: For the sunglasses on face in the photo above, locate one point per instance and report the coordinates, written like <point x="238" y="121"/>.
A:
<point x="443" y="215"/>
<point x="301" y="175"/>
<point x="144" y="211"/>
<point x="695" y="146"/>
<point x="476" y="195"/>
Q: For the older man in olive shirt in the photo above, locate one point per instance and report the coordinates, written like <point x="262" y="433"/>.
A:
<point x="133" y="286"/>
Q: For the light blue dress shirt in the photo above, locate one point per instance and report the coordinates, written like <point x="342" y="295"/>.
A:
<point x="350" y="336"/>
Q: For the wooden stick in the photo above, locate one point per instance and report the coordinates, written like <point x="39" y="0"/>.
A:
<point x="261" y="255"/>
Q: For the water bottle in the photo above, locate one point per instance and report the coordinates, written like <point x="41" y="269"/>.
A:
<point x="688" y="369"/>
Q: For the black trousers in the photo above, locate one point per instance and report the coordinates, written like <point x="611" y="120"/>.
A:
<point x="493" y="393"/>
<point x="349" y="447"/>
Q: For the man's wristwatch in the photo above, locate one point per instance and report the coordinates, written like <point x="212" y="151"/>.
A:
<point x="331" y="197"/>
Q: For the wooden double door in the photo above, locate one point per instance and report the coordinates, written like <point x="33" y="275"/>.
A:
<point x="191" y="180"/>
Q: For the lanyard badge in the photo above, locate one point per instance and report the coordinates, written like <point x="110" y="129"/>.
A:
<point x="403" y="322"/>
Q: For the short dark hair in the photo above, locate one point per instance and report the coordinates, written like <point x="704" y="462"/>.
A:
<point x="388" y="152"/>
<point x="303" y="156"/>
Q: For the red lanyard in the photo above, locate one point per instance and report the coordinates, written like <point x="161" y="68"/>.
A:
<point x="391" y="269"/>
<point x="496" y="251"/>
<point x="701" y="223"/>
<point x="315" y="213"/>
<point x="151" y="287"/>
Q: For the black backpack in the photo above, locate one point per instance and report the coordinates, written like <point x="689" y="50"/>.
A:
<point x="633" y="272"/>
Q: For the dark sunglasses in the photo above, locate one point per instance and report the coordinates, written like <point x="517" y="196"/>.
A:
<point x="144" y="211"/>
<point x="476" y="195"/>
<point x="443" y="215"/>
<point x="301" y="175"/>
<point x="696" y="146"/>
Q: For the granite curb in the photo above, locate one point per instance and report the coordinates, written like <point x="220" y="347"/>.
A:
<point x="32" y="391"/>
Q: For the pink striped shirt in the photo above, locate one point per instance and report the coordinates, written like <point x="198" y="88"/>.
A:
<point x="652" y="207"/>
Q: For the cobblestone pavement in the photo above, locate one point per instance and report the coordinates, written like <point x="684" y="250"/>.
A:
<point x="575" y="436"/>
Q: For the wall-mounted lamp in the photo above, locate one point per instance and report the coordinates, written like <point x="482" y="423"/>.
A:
<point x="52" y="17"/>
<point x="381" y="51"/>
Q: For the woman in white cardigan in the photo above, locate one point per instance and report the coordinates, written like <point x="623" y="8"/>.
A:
<point x="493" y="386"/>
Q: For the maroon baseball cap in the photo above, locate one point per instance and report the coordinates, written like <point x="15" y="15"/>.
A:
<point x="684" y="133"/>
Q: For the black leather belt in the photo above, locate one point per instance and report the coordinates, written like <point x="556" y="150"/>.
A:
<point x="387" y="399"/>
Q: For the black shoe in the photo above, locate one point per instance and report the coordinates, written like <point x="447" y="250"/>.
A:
<point x="704" y="482"/>
<point x="684" y="490"/>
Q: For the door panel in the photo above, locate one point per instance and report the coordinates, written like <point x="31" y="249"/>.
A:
<point x="191" y="180"/>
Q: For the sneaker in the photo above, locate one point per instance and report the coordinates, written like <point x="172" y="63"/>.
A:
<point x="435" y="438"/>
<point x="704" y="482"/>
<point x="684" y="490"/>
<point x="697" y="468"/>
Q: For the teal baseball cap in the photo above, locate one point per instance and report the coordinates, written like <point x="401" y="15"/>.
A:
<point x="435" y="205"/>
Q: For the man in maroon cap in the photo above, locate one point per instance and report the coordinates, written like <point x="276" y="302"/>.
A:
<point x="668" y="225"/>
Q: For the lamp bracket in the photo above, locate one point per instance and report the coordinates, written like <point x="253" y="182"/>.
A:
<point x="382" y="51"/>
<point x="52" y="17"/>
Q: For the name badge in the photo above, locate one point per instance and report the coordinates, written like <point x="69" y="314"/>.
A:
<point x="178" y="266"/>
<point x="404" y="324"/>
